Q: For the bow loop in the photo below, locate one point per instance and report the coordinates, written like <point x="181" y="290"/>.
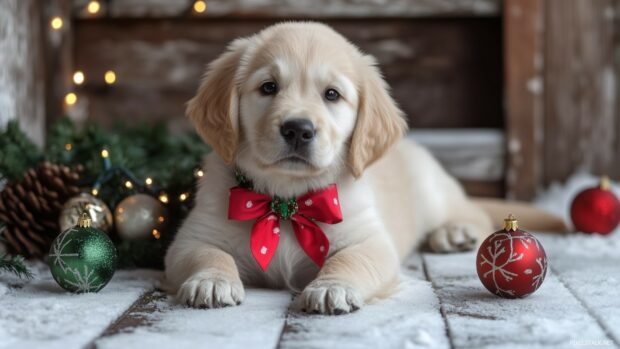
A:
<point x="322" y="206"/>
<point x="245" y="204"/>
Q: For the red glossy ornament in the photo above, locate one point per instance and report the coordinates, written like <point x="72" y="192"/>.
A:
<point x="511" y="262"/>
<point x="596" y="210"/>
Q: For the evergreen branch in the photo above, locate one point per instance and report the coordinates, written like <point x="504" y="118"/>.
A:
<point x="16" y="266"/>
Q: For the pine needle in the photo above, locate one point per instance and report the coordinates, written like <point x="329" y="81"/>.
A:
<point x="16" y="266"/>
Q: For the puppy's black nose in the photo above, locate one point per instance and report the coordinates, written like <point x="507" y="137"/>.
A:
<point x="298" y="132"/>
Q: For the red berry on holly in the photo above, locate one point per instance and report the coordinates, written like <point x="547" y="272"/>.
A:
<point x="596" y="210"/>
<point x="511" y="262"/>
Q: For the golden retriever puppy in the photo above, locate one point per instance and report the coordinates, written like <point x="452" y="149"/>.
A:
<point x="294" y="109"/>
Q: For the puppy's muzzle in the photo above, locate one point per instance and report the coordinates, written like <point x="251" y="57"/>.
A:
<point x="298" y="133"/>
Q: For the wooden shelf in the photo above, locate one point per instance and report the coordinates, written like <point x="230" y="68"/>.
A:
<point x="476" y="157"/>
<point x="295" y="8"/>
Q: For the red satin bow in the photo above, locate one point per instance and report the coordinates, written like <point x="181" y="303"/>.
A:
<point x="322" y="206"/>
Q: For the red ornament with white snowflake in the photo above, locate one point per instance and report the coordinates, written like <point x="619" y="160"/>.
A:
<point x="596" y="210"/>
<point x="511" y="262"/>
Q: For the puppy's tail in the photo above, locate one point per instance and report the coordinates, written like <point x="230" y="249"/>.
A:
<point x="530" y="218"/>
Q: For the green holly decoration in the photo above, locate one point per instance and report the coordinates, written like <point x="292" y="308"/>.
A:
<point x="82" y="258"/>
<point x="284" y="208"/>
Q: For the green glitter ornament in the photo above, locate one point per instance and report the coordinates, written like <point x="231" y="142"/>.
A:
<point x="82" y="258"/>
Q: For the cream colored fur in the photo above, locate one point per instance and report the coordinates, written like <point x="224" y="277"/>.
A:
<point x="392" y="191"/>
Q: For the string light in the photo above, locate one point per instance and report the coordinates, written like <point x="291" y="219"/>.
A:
<point x="93" y="7"/>
<point x="163" y="198"/>
<point x="71" y="98"/>
<point x="68" y="146"/>
<point x="109" y="77"/>
<point x="105" y="153"/>
<point x="128" y="185"/>
<point x="200" y="6"/>
<point x="56" y="23"/>
<point x="156" y="234"/>
<point x="94" y="191"/>
<point x="161" y="219"/>
<point x="199" y="173"/>
<point x="78" y="77"/>
<point x="148" y="181"/>
<point x="183" y="196"/>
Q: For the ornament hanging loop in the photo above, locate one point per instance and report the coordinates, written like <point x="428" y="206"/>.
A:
<point x="85" y="221"/>
<point x="511" y="223"/>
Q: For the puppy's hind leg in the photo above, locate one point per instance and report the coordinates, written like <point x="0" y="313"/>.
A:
<point x="466" y="225"/>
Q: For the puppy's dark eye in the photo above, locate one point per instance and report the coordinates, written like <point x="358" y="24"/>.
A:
<point x="332" y="95"/>
<point x="268" y="88"/>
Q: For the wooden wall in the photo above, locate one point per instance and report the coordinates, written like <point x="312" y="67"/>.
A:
<point x="443" y="72"/>
<point x="562" y="76"/>
<point x="582" y="124"/>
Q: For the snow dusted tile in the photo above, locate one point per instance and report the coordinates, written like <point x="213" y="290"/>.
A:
<point x="39" y="314"/>
<point x="408" y="319"/>
<point x="551" y="317"/>
<point x="589" y="266"/>
<point x="256" y="324"/>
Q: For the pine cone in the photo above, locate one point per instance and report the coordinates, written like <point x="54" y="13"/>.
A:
<point x="30" y="208"/>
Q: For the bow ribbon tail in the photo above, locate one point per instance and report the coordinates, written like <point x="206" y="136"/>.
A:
<point x="264" y="239"/>
<point x="311" y="238"/>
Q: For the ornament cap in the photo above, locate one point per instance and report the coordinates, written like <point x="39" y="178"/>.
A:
<point x="85" y="221"/>
<point x="605" y="183"/>
<point x="511" y="223"/>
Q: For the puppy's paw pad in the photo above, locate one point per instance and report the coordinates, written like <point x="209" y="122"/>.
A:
<point x="211" y="289"/>
<point x="454" y="237"/>
<point x="329" y="297"/>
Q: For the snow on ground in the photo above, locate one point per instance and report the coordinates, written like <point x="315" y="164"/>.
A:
<point x="407" y="319"/>
<point x="549" y="317"/>
<point x="257" y="324"/>
<point x="40" y="314"/>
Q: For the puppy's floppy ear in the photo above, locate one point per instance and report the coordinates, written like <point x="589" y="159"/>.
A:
<point x="380" y="122"/>
<point x="215" y="108"/>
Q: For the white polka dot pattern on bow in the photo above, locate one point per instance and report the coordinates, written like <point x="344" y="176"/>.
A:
<point x="272" y="218"/>
<point x="322" y="248"/>
<point x="308" y="202"/>
<point x="249" y="204"/>
<point x="336" y="201"/>
<point x="276" y="230"/>
<point x="263" y="250"/>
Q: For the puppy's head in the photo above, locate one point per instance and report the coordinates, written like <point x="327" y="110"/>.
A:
<point x="297" y="100"/>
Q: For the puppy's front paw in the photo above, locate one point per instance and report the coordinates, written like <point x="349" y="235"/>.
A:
<point x="329" y="297"/>
<point x="454" y="237"/>
<point x="211" y="289"/>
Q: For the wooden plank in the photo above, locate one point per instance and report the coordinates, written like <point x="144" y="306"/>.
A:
<point x="523" y="69"/>
<point x="476" y="157"/>
<point x="582" y="130"/>
<point x="289" y="8"/>
<point x="434" y="67"/>
<point x="407" y="319"/>
<point x="588" y="267"/>
<point x="257" y="323"/>
<point x="22" y="67"/>
<point x="552" y="317"/>
<point x="137" y="314"/>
